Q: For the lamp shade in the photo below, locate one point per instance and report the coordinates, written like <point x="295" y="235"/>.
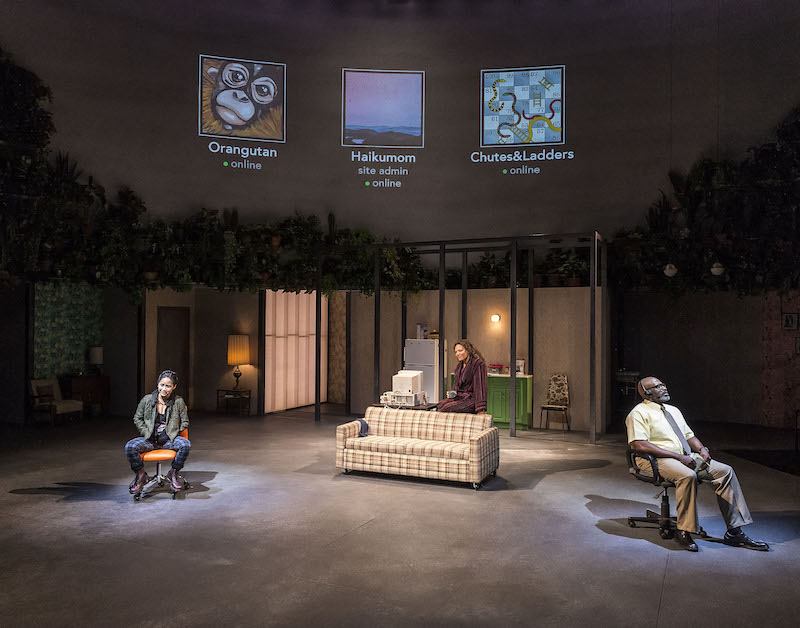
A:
<point x="238" y="350"/>
<point x="96" y="355"/>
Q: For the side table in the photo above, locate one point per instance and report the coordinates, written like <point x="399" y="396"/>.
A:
<point x="233" y="399"/>
<point x="91" y="390"/>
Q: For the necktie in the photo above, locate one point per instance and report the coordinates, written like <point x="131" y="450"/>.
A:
<point x="671" y="420"/>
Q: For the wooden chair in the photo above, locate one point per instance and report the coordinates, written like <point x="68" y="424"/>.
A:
<point x="46" y="395"/>
<point x="557" y="401"/>
<point x="158" y="456"/>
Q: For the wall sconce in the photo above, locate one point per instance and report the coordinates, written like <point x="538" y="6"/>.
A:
<point x="717" y="269"/>
<point x="495" y="318"/>
<point x="670" y="270"/>
<point x="238" y="353"/>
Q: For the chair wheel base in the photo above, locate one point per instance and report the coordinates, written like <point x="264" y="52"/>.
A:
<point x="631" y="523"/>
<point x="666" y="534"/>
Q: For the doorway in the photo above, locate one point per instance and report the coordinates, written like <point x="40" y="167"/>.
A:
<point x="172" y="345"/>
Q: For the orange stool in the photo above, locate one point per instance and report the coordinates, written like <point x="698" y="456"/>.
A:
<point x="158" y="456"/>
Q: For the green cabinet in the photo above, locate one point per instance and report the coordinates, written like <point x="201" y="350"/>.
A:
<point x="498" y="398"/>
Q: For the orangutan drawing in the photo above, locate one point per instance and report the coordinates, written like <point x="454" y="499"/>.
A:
<point x="240" y="98"/>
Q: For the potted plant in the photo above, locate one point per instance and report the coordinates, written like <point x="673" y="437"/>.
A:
<point x="537" y="278"/>
<point x="575" y="269"/>
<point x="553" y="263"/>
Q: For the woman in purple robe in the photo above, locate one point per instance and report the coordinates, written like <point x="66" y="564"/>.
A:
<point x="470" y="381"/>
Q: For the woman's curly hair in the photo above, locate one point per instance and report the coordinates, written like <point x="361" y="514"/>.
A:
<point x="472" y="351"/>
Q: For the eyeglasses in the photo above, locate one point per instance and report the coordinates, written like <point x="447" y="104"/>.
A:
<point x="656" y="386"/>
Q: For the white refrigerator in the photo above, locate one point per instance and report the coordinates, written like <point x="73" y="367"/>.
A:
<point x="423" y="355"/>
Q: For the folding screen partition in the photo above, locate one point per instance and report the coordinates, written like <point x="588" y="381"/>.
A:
<point x="290" y="339"/>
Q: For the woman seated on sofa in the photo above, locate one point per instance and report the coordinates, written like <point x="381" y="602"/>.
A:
<point x="470" y="381"/>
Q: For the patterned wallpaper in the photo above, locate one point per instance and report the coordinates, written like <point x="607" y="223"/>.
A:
<point x="337" y="347"/>
<point x="780" y="381"/>
<point x="68" y="320"/>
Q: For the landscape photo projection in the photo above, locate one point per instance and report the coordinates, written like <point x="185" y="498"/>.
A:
<point x="242" y="99"/>
<point x="522" y="106"/>
<point x="383" y="108"/>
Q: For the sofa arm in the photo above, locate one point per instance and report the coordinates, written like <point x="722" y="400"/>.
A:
<point x="484" y="453"/>
<point x="345" y="431"/>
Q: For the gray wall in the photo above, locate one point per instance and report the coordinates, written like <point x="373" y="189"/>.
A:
<point x="705" y="347"/>
<point x="561" y="339"/>
<point x="217" y="315"/>
<point x="649" y="86"/>
<point x="120" y="350"/>
<point x="213" y="316"/>
<point x="362" y="347"/>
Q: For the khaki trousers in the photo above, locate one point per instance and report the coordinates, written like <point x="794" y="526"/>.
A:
<point x="726" y="485"/>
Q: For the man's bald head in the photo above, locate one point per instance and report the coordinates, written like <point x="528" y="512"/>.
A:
<point x="652" y="389"/>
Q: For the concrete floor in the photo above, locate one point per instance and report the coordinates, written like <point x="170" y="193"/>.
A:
<point x="272" y="534"/>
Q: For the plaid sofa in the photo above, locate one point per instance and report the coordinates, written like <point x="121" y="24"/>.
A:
<point x="441" y="445"/>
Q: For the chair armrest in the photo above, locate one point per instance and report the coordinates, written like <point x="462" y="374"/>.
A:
<point x="39" y="403"/>
<point x="345" y="431"/>
<point x="633" y="468"/>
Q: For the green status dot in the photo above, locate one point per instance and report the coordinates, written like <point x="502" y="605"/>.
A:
<point x="224" y="163"/>
<point x="366" y="183"/>
<point x="505" y="171"/>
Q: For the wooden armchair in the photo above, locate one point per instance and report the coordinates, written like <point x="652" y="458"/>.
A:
<point x="46" y="395"/>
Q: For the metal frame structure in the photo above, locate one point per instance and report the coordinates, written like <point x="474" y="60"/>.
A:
<point x="513" y="244"/>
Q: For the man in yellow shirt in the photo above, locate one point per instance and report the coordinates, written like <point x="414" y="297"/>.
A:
<point x="660" y="429"/>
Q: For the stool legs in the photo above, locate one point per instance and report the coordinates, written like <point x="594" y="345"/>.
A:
<point x="159" y="478"/>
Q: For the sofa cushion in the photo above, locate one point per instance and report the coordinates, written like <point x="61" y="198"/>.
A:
<point x="437" y="449"/>
<point x="413" y="446"/>
<point x="382" y="444"/>
<point x="454" y="427"/>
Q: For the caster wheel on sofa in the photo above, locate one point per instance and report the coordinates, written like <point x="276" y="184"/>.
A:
<point x="345" y="471"/>
<point x="494" y="473"/>
<point x="476" y="485"/>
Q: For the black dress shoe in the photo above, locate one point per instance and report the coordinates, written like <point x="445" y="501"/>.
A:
<point x="684" y="539"/>
<point x="740" y="539"/>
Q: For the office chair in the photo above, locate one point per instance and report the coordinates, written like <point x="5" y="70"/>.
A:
<point x="666" y="523"/>
<point x="158" y="456"/>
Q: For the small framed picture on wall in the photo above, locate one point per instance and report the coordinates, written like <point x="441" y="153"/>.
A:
<point x="789" y="321"/>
